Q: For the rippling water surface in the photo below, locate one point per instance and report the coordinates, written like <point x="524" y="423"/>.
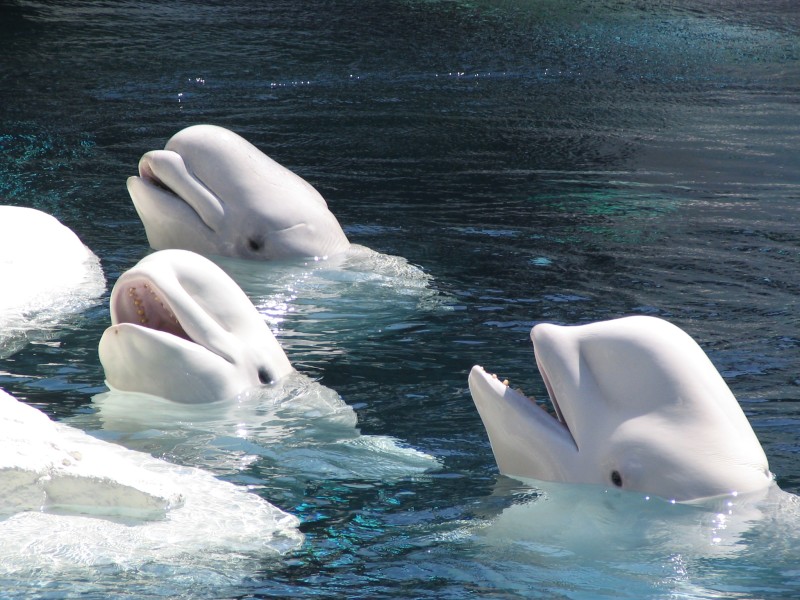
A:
<point x="539" y="160"/>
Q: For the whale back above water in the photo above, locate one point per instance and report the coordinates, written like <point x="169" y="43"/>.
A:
<point x="213" y="192"/>
<point x="638" y="405"/>
<point x="182" y="329"/>
<point x="68" y="499"/>
<point x="46" y="273"/>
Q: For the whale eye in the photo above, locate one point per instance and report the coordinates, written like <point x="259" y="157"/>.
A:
<point x="264" y="376"/>
<point x="616" y="478"/>
<point x="255" y="244"/>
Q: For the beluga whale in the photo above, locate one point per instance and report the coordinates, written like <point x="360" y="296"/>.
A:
<point x="47" y="273"/>
<point x="638" y="406"/>
<point x="211" y="191"/>
<point x="192" y="366"/>
<point x="183" y="330"/>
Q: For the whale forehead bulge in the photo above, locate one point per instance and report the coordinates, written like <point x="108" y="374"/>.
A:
<point x="260" y="193"/>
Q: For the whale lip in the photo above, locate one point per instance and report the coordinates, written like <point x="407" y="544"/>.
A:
<point x="165" y="173"/>
<point x="147" y="173"/>
<point x="559" y="416"/>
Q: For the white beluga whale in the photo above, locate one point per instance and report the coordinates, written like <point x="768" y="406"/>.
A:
<point x="639" y="406"/>
<point x="68" y="500"/>
<point x="47" y="273"/>
<point x="188" y="357"/>
<point x="213" y="192"/>
<point x="183" y="330"/>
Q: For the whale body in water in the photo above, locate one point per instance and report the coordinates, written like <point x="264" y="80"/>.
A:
<point x="68" y="499"/>
<point x="47" y="273"/>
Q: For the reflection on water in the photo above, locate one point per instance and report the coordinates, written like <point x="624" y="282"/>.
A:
<point x="538" y="161"/>
<point x="293" y="429"/>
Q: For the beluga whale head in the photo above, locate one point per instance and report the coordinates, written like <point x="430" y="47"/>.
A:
<point x="213" y="192"/>
<point x="638" y="406"/>
<point x="183" y="330"/>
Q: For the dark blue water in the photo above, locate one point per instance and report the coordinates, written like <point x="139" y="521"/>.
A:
<point x="541" y="160"/>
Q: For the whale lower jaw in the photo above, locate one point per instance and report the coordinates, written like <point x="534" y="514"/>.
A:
<point x="198" y="374"/>
<point x="526" y="440"/>
<point x="168" y="220"/>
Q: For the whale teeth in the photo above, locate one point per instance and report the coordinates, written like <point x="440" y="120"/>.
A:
<point x="140" y="305"/>
<point x="494" y="376"/>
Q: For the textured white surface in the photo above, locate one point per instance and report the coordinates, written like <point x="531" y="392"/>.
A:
<point x="71" y="499"/>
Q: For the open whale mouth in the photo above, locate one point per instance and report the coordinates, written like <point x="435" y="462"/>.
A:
<point x="502" y="392"/>
<point x="559" y="415"/>
<point x="142" y="303"/>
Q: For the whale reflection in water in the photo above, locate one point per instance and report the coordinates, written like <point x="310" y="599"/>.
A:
<point x="294" y="427"/>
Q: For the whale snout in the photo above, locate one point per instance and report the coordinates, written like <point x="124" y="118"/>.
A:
<point x="167" y="171"/>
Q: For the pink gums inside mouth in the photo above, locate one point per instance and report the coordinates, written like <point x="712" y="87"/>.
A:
<point x="141" y="303"/>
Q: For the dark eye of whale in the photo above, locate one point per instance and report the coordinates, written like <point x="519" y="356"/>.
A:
<point x="264" y="376"/>
<point x="254" y="244"/>
<point x="616" y="478"/>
